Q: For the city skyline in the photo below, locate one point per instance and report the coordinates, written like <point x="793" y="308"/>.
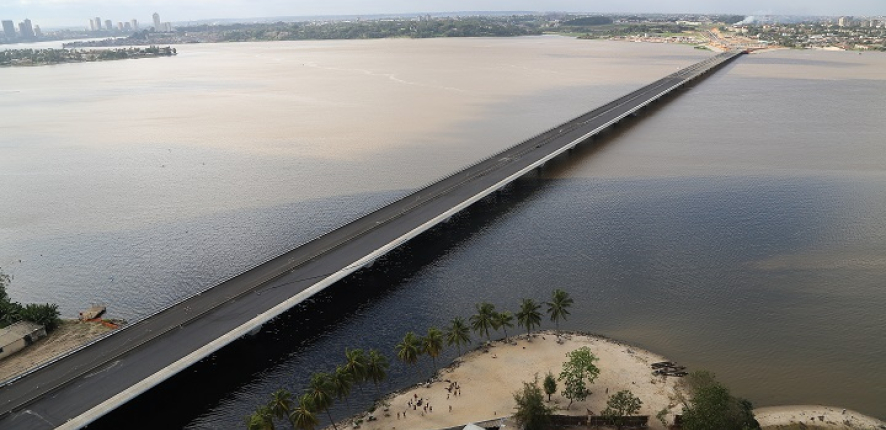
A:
<point x="63" y="13"/>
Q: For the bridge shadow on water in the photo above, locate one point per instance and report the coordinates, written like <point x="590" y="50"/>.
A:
<point x="182" y="399"/>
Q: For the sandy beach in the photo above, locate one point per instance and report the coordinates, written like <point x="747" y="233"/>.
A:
<point x="69" y="335"/>
<point x="489" y="379"/>
<point x="813" y="417"/>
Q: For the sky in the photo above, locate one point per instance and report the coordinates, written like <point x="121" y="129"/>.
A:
<point x="55" y="13"/>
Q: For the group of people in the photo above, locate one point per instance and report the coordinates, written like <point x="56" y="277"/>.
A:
<point x="415" y="402"/>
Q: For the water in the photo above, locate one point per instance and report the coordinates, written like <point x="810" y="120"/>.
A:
<point x="737" y="228"/>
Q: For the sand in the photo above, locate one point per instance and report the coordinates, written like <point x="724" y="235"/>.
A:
<point x="814" y="417"/>
<point x="69" y="335"/>
<point x="489" y="379"/>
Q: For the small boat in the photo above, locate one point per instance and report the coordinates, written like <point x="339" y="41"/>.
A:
<point x="661" y="364"/>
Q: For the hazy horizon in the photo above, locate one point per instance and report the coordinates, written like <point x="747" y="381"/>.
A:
<point x="76" y="13"/>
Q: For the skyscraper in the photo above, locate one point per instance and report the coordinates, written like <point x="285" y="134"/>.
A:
<point x="25" y="29"/>
<point x="37" y="31"/>
<point x="98" y="24"/>
<point x="109" y="25"/>
<point x="134" y="23"/>
<point x="91" y="24"/>
<point x="157" y="22"/>
<point x="9" y="30"/>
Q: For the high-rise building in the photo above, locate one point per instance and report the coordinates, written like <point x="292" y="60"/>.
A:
<point x="134" y="23"/>
<point x="845" y="21"/>
<point x="127" y="26"/>
<point x="91" y="24"/>
<point x="37" y="31"/>
<point x="120" y="25"/>
<point x="157" y="22"/>
<point x="9" y="30"/>
<point x="109" y="25"/>
<point x="24" y="27"/>
<point x="98" y="24"/>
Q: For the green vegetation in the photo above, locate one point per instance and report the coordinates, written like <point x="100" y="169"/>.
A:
<point x="37" y="57"/>
<point x="558" y="307"/>
<point x="529" y="316"/>
<point x="360" y="367"/>
<point x="532" y="413"/>
<point x="12" y="312"/>
<point x="484" y="319"/>
<point x="712" y="407"/>
<point x="432" y="344"/>
<point x="458" y="333"/>
<point x="409" y="349"/>
<point x="503" y="320"/>
<point x="620" y="405"/>
<point x="550" y="385"/>
<point x="588" y="21"/>
<point x="577" y="373"/>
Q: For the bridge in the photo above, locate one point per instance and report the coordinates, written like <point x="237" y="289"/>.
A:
<point x="80" y="387"/>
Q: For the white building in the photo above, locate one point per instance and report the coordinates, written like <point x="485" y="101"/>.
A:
<point x="18" y="336"/>
<point x="157" y="22"/>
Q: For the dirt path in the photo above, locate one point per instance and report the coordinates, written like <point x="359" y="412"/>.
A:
<point x="69" y="335"/>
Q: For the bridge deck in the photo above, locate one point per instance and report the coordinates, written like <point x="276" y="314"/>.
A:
<point x="85" y="385"/>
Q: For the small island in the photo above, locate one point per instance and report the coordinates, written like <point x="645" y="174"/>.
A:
<point x="41" y="57"/>
<point x="534" y="381"/>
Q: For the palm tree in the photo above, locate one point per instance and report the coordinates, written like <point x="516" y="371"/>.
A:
<point x="432" y="344"/>
<point x="529" y="316"/>
<point x="320" y="392"/>
<point x="280" y="404"/>
<point x="356" y="365"/>
<point x="342" y="381"/>
<point x="261" y="419"/>
<point x="458" y="333"/>
<point x="304" y="416"/>
<point x="560" y="301"/>
<point x="376" y="368"/>
<point x="504" y="320"/>
<point x="409" y="349"/>
<point x="484" y="319"/>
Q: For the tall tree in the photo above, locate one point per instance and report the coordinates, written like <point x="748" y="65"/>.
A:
<point x="532" y="413"/>
<point x="280" y="404"/>
<point x="432" y="344"/>
<point x="550" y="385"/>
<point x="458" y="333"/>
<point x="409" y="349"/>
<point x="356" y="364"/>
<point x="529" y="315"/>
<point x="577" y="373"/>
<point x="620" y="406"/>
<point x="504" y="320"/>
<point x="342" y="381"/>
<point x="376" y="369"/>
<point x="320" y="392"/>
<point x="484" y="319"/>
<point x="713" y="407"/>
<point x="304" y="415"/>
<point x="261" y="419"/>
<point x="558" y="307"/>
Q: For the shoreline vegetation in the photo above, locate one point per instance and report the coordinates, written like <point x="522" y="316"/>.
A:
<point x="586" y="377"/>
<point x="62" y="335"/>
<point x="50" y="56"/>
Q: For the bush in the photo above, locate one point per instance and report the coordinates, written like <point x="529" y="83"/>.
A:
<point x="532" y="413"/>
<point x="45" y="314"/>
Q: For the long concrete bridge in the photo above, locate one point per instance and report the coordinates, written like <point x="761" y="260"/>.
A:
<point x="80" y="387"/>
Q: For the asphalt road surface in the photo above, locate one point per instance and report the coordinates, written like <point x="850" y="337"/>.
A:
<point x="85" y="385"/>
